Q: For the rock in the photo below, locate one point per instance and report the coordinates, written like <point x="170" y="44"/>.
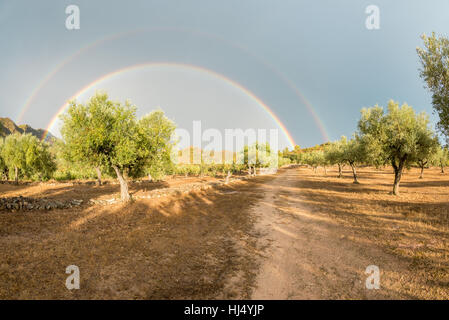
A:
<point x="26" y="203"/>
<point x="76" y="202"/>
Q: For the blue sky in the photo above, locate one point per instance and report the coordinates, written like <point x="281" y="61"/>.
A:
<point x="321" y="48"/>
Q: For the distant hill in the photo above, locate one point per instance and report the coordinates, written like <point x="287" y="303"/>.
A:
<point x="317" y="147"/>
<point x="7" y="127"/>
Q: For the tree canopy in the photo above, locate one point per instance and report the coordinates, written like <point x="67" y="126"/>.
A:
<point x="26" y="155"/>
<point x="335" y="154"/>
<point x="3" y="167"/>
<point x="258" y="155"/>
<point x="399" y="136"/>
<point x="434" y="59"/>
<point x="108" y="134"/>
<point x="314" y="158"/>
<point x="441" y="158"/>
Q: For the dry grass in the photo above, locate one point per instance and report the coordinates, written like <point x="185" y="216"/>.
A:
<point x="203" y="244"/>
<point x="186" y="247"/>
<point x="413" y="226"/>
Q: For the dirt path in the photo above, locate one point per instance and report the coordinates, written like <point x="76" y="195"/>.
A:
<point x="309" y="256"/>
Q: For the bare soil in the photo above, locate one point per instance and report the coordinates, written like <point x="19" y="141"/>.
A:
<point x="295" y="235"/>
<point x="323" y="232"/>
<point x="192" y="246"/>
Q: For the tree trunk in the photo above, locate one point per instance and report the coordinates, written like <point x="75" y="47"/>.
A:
<point x="339" y="171"/>
<point x="98" y="175"/>
<point x="422" y="171"/>
<point x="397" y="175"/>
<point x="397" y="180"/>
<point x="354" y="173"/>
<point x="442" y="168"/>
<point x="124" y="193"/>
<point x="16" y="175"/>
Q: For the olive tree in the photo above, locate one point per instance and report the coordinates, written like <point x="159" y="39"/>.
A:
<point x="297" y="153"/>
<point x="314" y="159"/>
<point x="334" y="154"/>
<point x="3" y="166"/>
<point x="426" y="152"/>
<point x="13" y="155"/>
<point x="441" y="158"/>
<point x="434" y="59"/>
<point x="39" y="159"/>
<point x="85" y="128"/>
<point x="398" y="136"/>
<point x="257" y="155"/>
<point x="109" y="134"/>
<point x="158" y="130"/>
<point x="353" y="154"/>
<point x="324" y="161"/>
<point x="26" y="155"/>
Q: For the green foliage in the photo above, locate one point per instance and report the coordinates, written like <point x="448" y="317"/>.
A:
<point x="293" y="155"/>
<point x="441" y="157"/>
<point x="158" y="130"/>
<point x="371" y="136"/>
<point x="283" y="161"/>
<point x="27" y="156"/>
<point x="101" y="133"/>
<point x="187" y="169"/>
<point x="39" y="160"/>
<point x="399" y="137"/>
<point x="334" y="152"/>
<point x="3" y="166"/>
<point x="208" y="169"/>
<point x="314" y="158"/>
<point x="435" y="72"/>
<point x="68" y="169"/>
<point x="13" y="155"/>
<point x="258" y="154"/>
<point x="427" y="150"/>
<point x="354" y="152"/>
<point x="106" y="134"/>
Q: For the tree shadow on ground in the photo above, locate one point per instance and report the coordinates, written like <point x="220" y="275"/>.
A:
<point x="413" y="230"/>
<point x="85" y="191"/>
<point x="198" y="245"/>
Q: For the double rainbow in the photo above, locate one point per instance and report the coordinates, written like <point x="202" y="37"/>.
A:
<point x="94" y="44"/>
<point x="179" y="65"/>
